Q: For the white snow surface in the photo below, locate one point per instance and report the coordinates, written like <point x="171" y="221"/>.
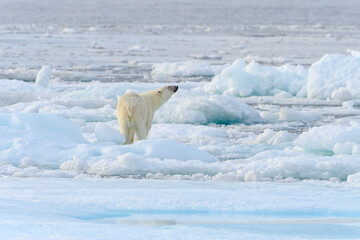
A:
<point x="332" y="74"/>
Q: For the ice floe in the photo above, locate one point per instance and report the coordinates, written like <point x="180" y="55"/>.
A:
<point x="334" y="75"/>
<point x="105" y="133"/>
<point x="206" y="109"/>
<point x="185" y="69"/>
<point x="287" y="114"/>
<point x="205" y="131"/>
<point x="354" y="178"/>
<point x="331" y="139"/>
<point x="43" y="76"/>
<point x="37" y="139"/>
<point x="243" y="80"/>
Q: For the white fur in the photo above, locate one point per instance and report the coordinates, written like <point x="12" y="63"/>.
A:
<point x="135" y="112"/>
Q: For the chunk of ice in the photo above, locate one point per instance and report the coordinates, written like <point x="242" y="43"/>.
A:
<point x="43" y="76"/>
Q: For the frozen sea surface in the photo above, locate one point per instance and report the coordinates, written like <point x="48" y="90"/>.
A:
<point x="120" y="40"/>
<point x="164" y="209"/>
<point x="173" y="12"/>
<point x="261" y="141"/>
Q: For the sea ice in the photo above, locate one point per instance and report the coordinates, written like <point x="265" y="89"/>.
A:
<point x="40" y="138"/>
<point x="205" y="57"/>
<point x="105" y="133"/>
<point x="98" y="208"/>
<point x="347" y="148"/>
<point x="16" y="85"/>
<point x="270" y="164"/>
<point x="205" y="109"/>
<point x="321" y="81"/>
<point x="287" y="114"/>
<point x="334" y="75"/>
<point x="354" y="178"/>
<point x="243" y="80"/>
<point x="195" y="134"/>
<point x="330" y="139"/>
<point x="43" y="76"/>
<point x="68" y="31"/>
<point x="341" y="94"/>
<point x="141" y="158"/>
<point x="247" y="176"/>
<point x="353" y="52"/>
<point x="48" y="140"/>
<point x="271" y="137"/>
<point x="185" y="69"/>
<point x="18" y="73"/>
<point x="9" y="98"/>
<point x="206" y="126"/>
<point x="138" y="48"/>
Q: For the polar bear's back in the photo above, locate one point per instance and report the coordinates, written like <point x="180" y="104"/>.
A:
<point x="131" y="108"/>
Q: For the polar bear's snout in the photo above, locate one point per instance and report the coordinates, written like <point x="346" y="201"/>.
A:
<point x="173" y="88"/>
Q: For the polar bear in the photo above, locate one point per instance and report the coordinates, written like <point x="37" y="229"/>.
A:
<point x="135" y="112"/>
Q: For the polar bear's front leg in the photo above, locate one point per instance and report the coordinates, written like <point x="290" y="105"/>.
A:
<point x="147" y="127"/>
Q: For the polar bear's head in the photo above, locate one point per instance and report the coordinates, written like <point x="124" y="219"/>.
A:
<point x="166" y="92"/>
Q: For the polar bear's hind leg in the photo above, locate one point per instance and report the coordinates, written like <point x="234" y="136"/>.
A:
<point x="125" y="130"/>
<point x="140" y="132"/>
<point x="132" y="133"/>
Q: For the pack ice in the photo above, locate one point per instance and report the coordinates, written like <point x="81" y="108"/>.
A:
<point x="249" y="123"/>
<point x="334" y="76"/>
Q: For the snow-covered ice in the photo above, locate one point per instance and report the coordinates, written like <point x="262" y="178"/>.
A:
<point x="331" y="139"/>
<point x="173" y="209"/>
<point x="184" y="69"/>
<point x="334" y="76"/>
<point x="138" y="48"/>
<point x="205" y="109"/>
<point x="196" y="133"/>
<point x="260" y="142"/>
<point x="287" y="114"/>
<point x="105" y="133"/>
<point x="243" y="80"/>
<point x="354" y="178"/>
<point x="43" y="76"/>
